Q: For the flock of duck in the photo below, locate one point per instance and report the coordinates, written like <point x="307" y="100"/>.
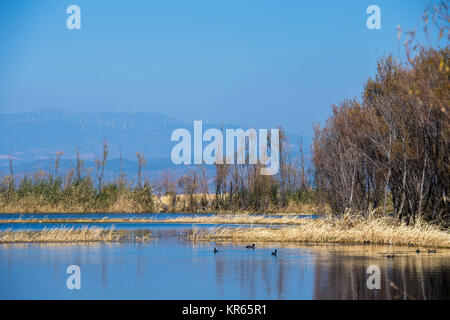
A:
<point x="417" y="251"/>
<point x="274" y="253"/>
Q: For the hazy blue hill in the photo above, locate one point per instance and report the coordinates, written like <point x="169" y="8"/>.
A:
<point x="34" y="137"/>
<point x="38" y="134"/>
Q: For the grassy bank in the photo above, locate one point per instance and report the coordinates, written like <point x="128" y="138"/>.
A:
<point x="84" y="234"/>
<point x="347" y="228"/>
<point x="131" y="201"/>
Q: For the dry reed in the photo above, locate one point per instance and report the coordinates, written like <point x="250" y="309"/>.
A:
<point x="347" y="228"/>
<point x="62" y="234"/>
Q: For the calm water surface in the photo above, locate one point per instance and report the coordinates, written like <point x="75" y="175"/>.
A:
<point x="174" y="268"/>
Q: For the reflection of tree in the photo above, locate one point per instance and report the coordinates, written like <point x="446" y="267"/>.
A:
<point x="281" y="277"/>
<point x="219" y="269"/>
<point x="104" y="271"/>
<point x="336" y="272"/>
<point x="340" y="275"/>
<point x="412" y="277"/>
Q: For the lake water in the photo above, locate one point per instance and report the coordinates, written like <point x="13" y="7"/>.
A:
<point x="175" y="268"/>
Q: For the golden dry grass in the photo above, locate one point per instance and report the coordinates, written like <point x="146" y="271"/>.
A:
<point x="84" y="234"/>
<point x="347" y="228"/>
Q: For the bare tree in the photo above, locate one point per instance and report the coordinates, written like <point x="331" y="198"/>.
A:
<point x="58" y="156"/>
<point x="100" y="165"/>
<point x="79" y="165"/>
<point x="11" y="172"/>
<point x="141" y="164"/>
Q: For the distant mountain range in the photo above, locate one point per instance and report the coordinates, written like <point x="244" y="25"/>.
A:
<point x="34" y="137"/>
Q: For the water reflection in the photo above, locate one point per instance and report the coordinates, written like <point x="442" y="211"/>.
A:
<point x="342" y="275"/>
<point x="173" y="268"/>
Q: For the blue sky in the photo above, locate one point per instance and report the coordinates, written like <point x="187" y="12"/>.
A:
<point x="253" y="63"/>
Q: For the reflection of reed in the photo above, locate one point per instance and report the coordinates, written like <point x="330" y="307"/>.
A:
<point x="263" y="276"/>
<point x="256" y="278"/>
